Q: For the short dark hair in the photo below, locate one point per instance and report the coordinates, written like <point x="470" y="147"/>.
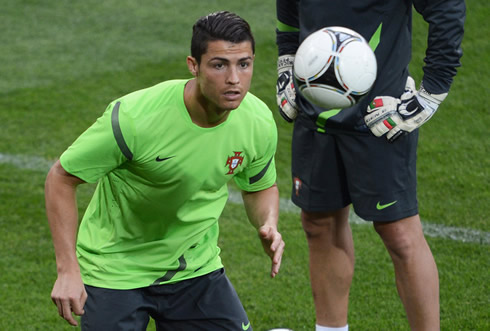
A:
<point x="221" y="25"/>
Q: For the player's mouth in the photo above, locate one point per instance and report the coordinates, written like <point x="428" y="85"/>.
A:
<point x="232" y="95"/>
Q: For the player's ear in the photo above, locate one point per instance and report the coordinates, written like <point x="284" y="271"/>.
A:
<point x="192" y="65"/>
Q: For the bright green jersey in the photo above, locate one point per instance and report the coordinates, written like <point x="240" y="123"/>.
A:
<point x="161" y="188"/>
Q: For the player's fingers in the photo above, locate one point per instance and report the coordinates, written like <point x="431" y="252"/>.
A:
<point x="77" y="308"/>
<point x="278" y="250"/>
<point x="276" y="265"/>
<point x="66" y="312"/>
<point x="270" y="240"/>
<point x="58" y="306"/>
<point x="79" y="304"/>
<point x="277" y="242"/>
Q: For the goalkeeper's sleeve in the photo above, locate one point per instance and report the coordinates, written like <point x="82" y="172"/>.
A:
<point x="446" y="28"/>
<point x="287" y="29"/>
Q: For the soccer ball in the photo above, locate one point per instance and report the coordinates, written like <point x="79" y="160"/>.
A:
<point x="334" y="68"/>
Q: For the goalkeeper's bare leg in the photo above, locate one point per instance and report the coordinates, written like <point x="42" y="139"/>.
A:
<point x="331" y="253"/>
<point x="416" y="273"/>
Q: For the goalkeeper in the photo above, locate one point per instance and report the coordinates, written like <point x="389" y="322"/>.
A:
<point x="365" y="155"/>
<point x="148" y="242"/>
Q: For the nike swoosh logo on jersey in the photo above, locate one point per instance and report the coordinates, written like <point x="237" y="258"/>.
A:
<point x="158" y="159"/>
<point x="245" y="327"/>
<point x="381" y="207"/>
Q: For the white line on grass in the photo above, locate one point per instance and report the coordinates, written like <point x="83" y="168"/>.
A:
<point x="26" y="162"/>
<point x="286" y="206"/>
<point x="431" y="230"/>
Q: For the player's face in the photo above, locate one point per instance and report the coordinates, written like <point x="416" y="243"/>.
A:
<point x="225" y="73"/>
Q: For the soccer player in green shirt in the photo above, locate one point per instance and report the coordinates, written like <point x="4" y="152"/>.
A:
<point x="162" y="157"/>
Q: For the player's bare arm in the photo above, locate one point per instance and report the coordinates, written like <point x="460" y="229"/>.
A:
<point x="68" y="292"/>
<point x="263" y="212"/>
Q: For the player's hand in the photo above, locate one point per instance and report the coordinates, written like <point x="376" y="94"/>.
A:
<point x="395" y="117"/>
<point x="69" y="296"/>
<point x="273" y="246"/>
<point x="285" y="91"/>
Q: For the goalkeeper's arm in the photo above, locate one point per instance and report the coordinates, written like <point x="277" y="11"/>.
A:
<point x="394" y="117"/>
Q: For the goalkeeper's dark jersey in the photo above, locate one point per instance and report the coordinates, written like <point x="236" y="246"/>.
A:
<point x="388" y="22"/>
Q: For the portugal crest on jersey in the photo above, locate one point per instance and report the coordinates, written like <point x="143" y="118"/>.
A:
<point x="233" y="162"/>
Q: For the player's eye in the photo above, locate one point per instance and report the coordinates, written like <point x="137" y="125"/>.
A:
<point x="244" y="64"/>
<point x="219" y="65"/>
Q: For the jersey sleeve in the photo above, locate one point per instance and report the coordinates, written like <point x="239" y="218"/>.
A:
<point x="446" y="26"/>
<point x="260" y="174"/>
<point x="287" y="30"/>
<point x="102" y="147"/>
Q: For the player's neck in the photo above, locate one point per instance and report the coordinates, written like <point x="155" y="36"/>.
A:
<point x="203" y="113"/>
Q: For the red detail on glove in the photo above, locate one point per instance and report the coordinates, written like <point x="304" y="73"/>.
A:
<point x="376" y="103"/>
<point x="387" y="124"/>
<point x="283" y="102"/>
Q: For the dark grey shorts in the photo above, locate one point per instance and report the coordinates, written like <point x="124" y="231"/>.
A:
<point x="331" y="171"/>
<point x="208" y="302"/>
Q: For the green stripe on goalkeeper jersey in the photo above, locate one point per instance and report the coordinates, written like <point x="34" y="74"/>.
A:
<point x="285" y="28"/>
<point x="375" y="38"/>
<point x="323" y="117"/>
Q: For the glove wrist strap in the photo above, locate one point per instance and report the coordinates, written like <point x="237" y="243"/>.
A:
<point x="434" y="98"/>
<point x="285" y="62"/>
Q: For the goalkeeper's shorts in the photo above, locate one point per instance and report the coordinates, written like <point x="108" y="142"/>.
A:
<point x="333" y="170"/>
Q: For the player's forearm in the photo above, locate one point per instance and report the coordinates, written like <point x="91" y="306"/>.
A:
<point x="62" y="214"/>
<point x="262" y="207"/>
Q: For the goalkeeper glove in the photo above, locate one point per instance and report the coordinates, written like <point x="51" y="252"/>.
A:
<point x="395" y="117"/>
<point x="285" y="91"/>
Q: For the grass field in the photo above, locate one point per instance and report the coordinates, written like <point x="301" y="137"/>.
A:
<point x="63" y="61"/>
